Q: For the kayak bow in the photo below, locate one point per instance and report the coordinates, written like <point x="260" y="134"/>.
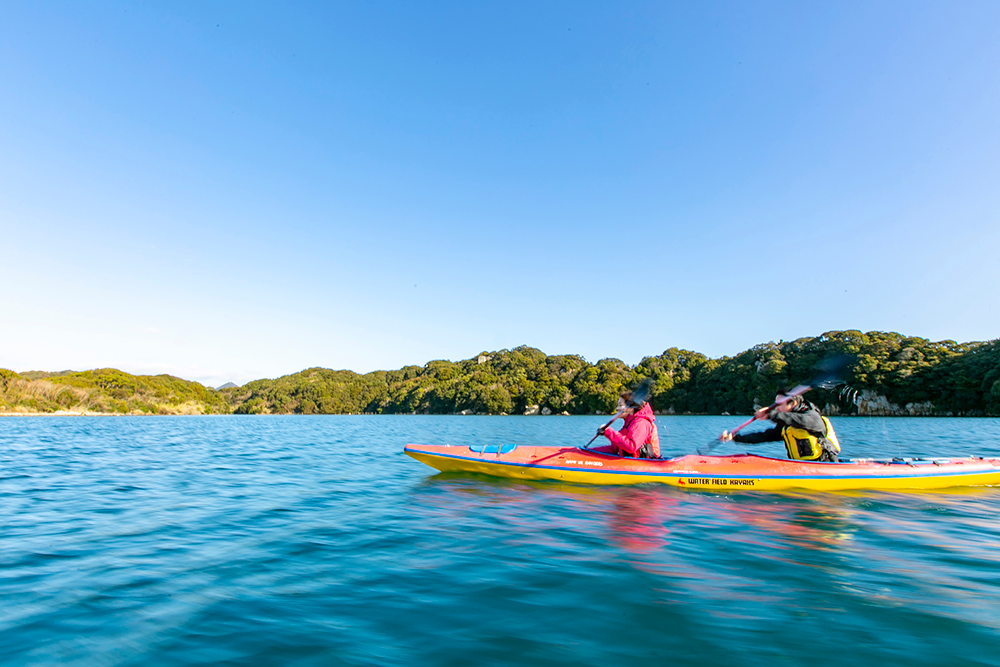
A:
<point x="742" y="471"/>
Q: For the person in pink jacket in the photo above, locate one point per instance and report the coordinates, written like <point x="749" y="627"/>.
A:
<point x="639" y="437"/>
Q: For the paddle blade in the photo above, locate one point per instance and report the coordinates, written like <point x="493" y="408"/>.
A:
<point x="798" y="391"/>
<point x="831" y="371"/>
<point x="642" y="392"/>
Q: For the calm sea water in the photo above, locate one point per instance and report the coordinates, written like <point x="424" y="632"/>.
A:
<point x="316" y="541"/>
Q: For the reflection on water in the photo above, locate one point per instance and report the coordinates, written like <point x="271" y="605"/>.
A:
<point x="638" y="519"/>
<point x="258" y="541"/>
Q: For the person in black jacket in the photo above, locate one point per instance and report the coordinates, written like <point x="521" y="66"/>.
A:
<point x="808" y="435"/>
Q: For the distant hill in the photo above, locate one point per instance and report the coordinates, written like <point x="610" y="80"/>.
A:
<point x="41" y="375"/>
<point x="105" y="390"/>
<point x="891" y="374"/>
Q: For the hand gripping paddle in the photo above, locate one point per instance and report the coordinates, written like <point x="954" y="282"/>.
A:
<point x="639" y="397"/>
<point x="829" y="374"/>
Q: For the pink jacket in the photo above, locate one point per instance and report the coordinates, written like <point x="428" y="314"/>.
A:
<point x="639" y="430"/>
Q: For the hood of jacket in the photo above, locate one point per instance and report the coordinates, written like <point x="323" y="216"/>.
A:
<point x="645" y="412"/>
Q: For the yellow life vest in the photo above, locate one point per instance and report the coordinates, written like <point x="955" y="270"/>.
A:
<point x="831" y="435"/>
<point x="802" y="445"/>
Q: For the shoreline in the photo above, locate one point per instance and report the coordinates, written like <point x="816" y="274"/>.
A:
<point x="69" y="413"/>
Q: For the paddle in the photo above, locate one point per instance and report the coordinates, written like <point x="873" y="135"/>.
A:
<point x="639" y="396"/>
<point x="829" y="374"/>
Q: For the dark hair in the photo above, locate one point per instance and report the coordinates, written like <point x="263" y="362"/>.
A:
<point x="629" y="396"/>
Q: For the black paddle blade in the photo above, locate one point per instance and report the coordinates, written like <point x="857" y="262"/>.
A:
<point x="831" y="371"/>
<point x="706" y="449"/>
<point x="642" y="392"/>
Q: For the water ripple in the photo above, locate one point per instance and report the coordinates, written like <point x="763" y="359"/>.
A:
<point x="315" y="541"/>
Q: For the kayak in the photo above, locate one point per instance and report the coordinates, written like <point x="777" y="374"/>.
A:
<point x="741" y="471"/>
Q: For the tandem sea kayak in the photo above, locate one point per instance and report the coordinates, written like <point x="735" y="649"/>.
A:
<point x="742" y="471"/>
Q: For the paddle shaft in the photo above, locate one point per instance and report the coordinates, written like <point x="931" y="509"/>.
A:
<point x="639" y="397"/>
<point x="798" y="391"/>
<point x="605" y="426"/>
<point x="832" y="370"/>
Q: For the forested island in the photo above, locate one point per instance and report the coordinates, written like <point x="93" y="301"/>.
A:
<point x="890" y="374"/>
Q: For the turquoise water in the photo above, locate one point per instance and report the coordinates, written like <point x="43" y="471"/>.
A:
<point x="316" y="541"/>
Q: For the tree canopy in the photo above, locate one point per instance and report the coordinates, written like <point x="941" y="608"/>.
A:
<point x="106" y="390"/>
<point x="939" y="377"/>
<point x="909" y="375"/>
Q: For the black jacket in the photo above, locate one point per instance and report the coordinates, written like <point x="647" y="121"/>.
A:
<point x="805" y="416"/>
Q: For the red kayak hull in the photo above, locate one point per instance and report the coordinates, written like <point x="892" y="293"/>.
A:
<point x="743" y="471"/>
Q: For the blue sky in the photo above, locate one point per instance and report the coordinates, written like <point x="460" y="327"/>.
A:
<point x="230" y="191"/>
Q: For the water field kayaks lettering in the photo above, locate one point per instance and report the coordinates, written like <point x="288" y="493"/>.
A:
<point x="695" y="471"/>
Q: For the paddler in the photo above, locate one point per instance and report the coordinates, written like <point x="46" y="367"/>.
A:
<point x="808" y="435"/>
<point x="639" y="437"/>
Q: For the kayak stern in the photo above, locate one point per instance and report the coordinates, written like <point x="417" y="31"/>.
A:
<point x="738" y="472"/>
